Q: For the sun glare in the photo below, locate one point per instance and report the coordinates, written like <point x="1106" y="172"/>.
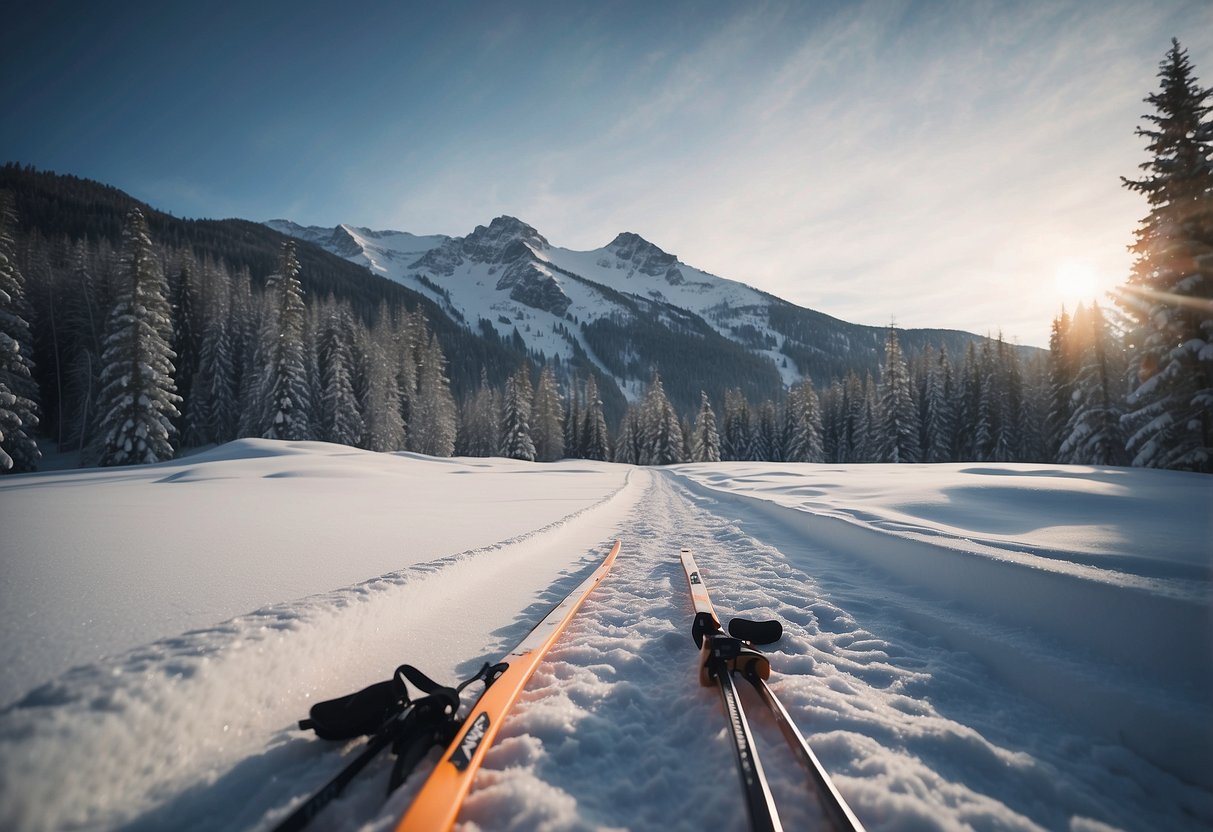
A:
<point x="1076" y="281"/>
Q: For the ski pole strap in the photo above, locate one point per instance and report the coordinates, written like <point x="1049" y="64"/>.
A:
<point x="360" y="713"/>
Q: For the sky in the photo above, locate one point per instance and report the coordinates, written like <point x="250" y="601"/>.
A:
<point x="932" y="164"/>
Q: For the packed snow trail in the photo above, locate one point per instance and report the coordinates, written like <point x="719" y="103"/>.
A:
<point x="615" y="732"/>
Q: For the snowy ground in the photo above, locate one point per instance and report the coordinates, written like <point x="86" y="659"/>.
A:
<point x="989" y="647"/>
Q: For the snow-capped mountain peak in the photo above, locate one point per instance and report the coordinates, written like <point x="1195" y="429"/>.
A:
<point x="646" y="258"/>
<point x="625" y="308"/>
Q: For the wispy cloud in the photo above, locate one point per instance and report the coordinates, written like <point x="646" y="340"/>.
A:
<point x="934" y="161"/>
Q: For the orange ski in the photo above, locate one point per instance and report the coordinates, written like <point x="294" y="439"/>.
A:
<point x="437" y="804"/>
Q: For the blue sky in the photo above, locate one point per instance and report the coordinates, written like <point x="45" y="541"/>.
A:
<point x="937" y="164"/>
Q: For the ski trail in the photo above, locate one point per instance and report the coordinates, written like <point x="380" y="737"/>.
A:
<point x="614" y="731"/>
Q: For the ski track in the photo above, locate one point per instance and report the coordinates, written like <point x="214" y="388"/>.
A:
<point x="613" y="731"/>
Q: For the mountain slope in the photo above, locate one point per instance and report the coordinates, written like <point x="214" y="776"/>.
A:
<point x="57" y="206"/>
<point x="625" y="308"/>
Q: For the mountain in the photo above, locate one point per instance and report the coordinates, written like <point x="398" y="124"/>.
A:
<point x="504" y="293"/>
<point x="623" y="308"/>
<point x="58" y="208"/>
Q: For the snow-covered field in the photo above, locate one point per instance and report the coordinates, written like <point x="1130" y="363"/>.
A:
<point x="967" y="646"/>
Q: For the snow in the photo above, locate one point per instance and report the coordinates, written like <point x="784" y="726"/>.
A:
<point x="149" y="552"/>
<point x="966" y="646"/>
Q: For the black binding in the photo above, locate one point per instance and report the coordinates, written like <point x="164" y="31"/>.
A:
<point x="756" y="632"/>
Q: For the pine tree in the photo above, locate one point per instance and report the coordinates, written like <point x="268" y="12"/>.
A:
<point x="340" y="420"/>
<point x="1169" y="297"/>
<point x="1093" y="433"/>
<point x="971" y="403"/>
<point x="1009" y="388"/>
<point x="897" y="424"/>
<point x="516" y="439"/>
<point x="595" y="441"/>
<point x="706" y="444"/>
<point x="767" y="445"/>
<point x="805" y="410"/>
<point x="737" y="442"/>
<point x="574" y="421"/>
<point x="1063" y="370"/>
<point x="383" y="424"/>
<point x="662" y="432"/>
<point x="547" y="430"/>
<point x="409" y="336"/>
<point x="284" y="384"/>
<point x="187" y="336"/>
<point x="1032" y="428"/>
<point x="138" y="400"/>
<point x="84" y="319"/>
<point x="833" y="421"/>
<point x="433" y="422"/>
<point x="18" y="393"/>
<point x="629" y="446"/>
<point x="212" y="413"/>
<point x="940" y="428"/>
<point x="481" y="425"/>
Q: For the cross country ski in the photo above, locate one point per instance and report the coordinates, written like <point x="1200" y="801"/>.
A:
<point x="720" y="657"/>
<point x="386" y="713"/>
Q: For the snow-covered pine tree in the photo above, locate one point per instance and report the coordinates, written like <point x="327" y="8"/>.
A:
<point x="340" y="418"/>
<point x="1094" y="435"/>
<point x="805" y="410"/>
<point x="737" y="441"/>
<point x="595" y="440"/>
<point x="1168" y="299"/>
<point x="1063" y="370"/>
<point x="1035" y="410"/>
<point x="986" y="428"/>
<point x="832" y="421"/>
<point x="971" y="398"/>
<point x="18" y="392"/>
<point x="212" y="413"/>
<point x="868" y="425"/>
<point x="410" y="335"/>
<point x="434" y="416"/>
<point x="516" y="439"/>
<point x="383" y="425"/>
<point x="574" y="421"/>
<point x="311" y="365"/>
<point x="940" y="428"/>
<point x="767" y="445"/>
<point x="629" y="445"/>
<point x="706" y="444"/>
<point x="481" y="425"/>
<point x="84" y="320"/>
<point x="138" y="399"/>
<point x="1009" y="392"/>
<point x="284" y="383"/>
<point x="248" y="310"/>
<point x="897" y="419"/>
<point x="187" y="336"/>
<point x="546" y="427"/>
<point x="662" y="432"/>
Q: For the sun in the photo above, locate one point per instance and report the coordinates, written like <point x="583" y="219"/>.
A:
<point x="1076" y="281"/>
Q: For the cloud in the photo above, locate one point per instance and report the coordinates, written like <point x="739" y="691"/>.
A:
<point x="930" y="161"/>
